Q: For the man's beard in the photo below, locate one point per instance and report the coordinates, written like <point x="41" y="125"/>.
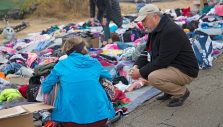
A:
<point x="149" y="30"/>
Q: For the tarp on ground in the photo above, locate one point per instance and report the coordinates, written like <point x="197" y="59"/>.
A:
<point x="141" y="95"/>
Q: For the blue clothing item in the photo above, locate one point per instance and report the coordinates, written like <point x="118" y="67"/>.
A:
<point x="81" y="98"/>
<point x="113" y="27"/>
<point x="10" y="67"/>
<point x="122" y="45"/>
<point x="139" y="6"/>
<point x="42" y="45"/>
<point x="218" y="37"/>
<point x="202" y="46"/>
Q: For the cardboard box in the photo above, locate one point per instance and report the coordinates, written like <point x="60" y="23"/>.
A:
<point x="21" y="116"/>
<point x="95" y="42"/>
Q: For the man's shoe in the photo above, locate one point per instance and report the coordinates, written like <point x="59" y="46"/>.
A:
<point x="175" y="102"/>
<point x="164" y="97"/>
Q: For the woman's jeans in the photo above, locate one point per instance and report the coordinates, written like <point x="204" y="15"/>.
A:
<point x="107" y="34"/>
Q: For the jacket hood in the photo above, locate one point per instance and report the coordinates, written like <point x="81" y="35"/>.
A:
<point x="80" y="60"/>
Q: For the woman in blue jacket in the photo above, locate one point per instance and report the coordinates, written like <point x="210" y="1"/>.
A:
<point x="81" y="100"/>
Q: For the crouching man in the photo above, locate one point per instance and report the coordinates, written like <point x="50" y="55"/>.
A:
<point x="168" y="61"/>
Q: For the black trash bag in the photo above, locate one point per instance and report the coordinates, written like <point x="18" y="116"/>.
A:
<point x="33" y="88"/>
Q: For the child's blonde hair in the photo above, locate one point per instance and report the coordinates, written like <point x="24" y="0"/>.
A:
<point x="72" y="42"/>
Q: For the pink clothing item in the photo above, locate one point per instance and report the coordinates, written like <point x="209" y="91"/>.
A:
<point x="132" y="37"/>
<point x="39" y="38"/>
<point x="10" y="45"/>
<point x="111" y="46"/>
<point x="138" y="41"/>
<point x="219" y="10"/>
<point x="47" y="60"/>
<point x="181" y="19"/>
<point x="123" y="73"/>
<point x="215" y="52"/>
<point x="8" y="50"/>
<point x="31" y="58"/>
<point x="48" y="50"/>
<point x="19" y="61"/>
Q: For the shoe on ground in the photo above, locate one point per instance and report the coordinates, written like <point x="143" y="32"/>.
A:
<point x="175" y="102"/>
<point x="164" y="97"/>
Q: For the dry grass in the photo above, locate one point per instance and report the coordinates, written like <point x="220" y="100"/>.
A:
<point x="70" y="9"/>
<point x="127" y="8"/>
<point x="62" y="9"/>
<point x="162" y="4"/>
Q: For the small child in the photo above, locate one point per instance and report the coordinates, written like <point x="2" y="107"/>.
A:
<point x="140" y="4"/>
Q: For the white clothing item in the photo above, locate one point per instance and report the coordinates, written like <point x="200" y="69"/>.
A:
<point x="63" y="57"/>
<point x="20" y="45"/>
<point x="40" y="96"/>
<point x="17" y="56"/>
<point x="212" y="31"/>
<point x="121" y="86"/>
<point x="217" y="44"/>
<point x="2" y="81"/>
<point x="24" y="71"/>
<point x="3" y="59"/>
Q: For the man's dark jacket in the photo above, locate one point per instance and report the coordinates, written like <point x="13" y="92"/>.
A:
<point x="168" y="46"/>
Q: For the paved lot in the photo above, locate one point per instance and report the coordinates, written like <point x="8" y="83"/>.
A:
<point x="204" y="108"/>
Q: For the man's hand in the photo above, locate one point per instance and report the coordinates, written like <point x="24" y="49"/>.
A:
<point x="92" y="21"/>
<point x="134" y="73"/>
<point x="104" y="21"/>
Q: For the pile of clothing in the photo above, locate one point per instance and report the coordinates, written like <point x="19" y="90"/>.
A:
<point x="204" y="29"/>
<point x="35" y="55"/>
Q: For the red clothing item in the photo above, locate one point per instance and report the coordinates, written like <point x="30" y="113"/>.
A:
<point x="104" y="63"/>
<point x="140" y="25"/>
<point x="100" y="123"/>
<point x="186" y="12"/>
<point x="22" y="89"/>
<point x="119" y="95"/>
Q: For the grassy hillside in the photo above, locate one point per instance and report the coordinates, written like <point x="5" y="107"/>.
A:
<point x="11" y="4"/>
<point x="62" y="8"/>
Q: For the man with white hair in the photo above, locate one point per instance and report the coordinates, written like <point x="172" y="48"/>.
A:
<point x="168" y="61"/>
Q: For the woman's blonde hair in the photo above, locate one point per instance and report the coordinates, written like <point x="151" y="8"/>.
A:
<point x="72" y="42"/>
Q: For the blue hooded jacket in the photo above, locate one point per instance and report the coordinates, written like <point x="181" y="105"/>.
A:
<point x="81" y="98"/>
